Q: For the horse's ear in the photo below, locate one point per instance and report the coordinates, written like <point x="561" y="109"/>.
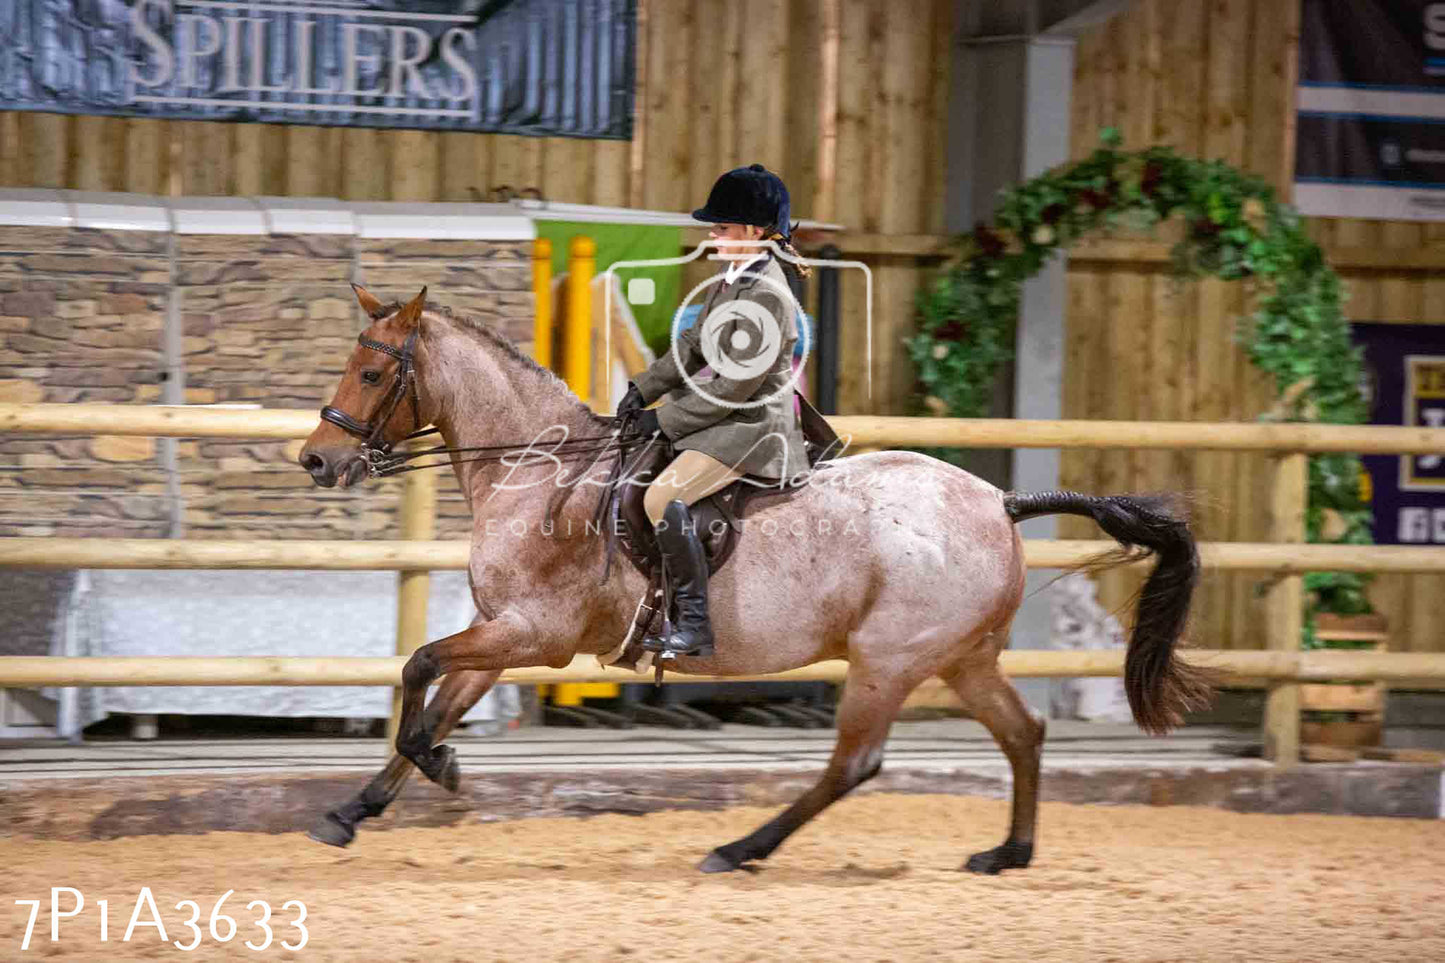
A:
<point x="374" y="309"/>
<point x="410" y="316"/>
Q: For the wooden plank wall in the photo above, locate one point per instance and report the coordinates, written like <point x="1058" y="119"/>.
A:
<point x="727" y="82"/>
<point x="1214" y="79"/>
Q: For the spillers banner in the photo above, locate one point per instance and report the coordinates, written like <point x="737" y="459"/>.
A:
<point x="1371" y="109"/>
<point x="1405" y="366"/>
<point x="518" y="66"/>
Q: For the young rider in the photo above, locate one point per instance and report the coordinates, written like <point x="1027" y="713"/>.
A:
<point x="742" y="421"/>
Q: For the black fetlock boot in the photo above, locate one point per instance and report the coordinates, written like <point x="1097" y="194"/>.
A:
<point x="685" y="562"/>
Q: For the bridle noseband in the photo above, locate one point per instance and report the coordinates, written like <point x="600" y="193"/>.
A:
<point x="373" y="444"/>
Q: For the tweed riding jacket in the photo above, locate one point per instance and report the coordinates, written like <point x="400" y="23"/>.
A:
<point x="763" y="440"/>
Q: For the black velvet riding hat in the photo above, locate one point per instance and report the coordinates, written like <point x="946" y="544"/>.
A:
<point x="748" y="195"/>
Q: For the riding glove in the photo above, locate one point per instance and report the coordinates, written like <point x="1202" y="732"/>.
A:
<point x="632" y="401"/>
<point x="647" y="422"/>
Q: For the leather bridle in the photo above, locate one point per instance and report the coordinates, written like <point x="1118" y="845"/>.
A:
<point x="403" y="385"/>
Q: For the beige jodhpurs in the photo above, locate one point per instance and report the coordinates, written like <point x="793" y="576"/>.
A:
<point x="690" y="476"/>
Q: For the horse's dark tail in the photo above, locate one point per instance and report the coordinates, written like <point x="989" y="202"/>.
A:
<point x="1161" y="687"/>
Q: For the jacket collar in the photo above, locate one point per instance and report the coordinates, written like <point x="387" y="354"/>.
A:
<point x="751" y="270"/>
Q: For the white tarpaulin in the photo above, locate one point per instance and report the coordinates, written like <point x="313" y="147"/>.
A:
<point x="1080" y="622"/>
<point x="243" y="613"/>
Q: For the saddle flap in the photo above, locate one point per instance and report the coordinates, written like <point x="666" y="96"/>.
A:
<point x="719" y="517"/>
<point x="820" y="440"/>
<point x="636" y="534"/>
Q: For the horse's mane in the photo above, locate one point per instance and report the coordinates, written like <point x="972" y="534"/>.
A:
<point x="480" y="330"/>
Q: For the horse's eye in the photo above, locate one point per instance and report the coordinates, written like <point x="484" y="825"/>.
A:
<point x="371" y="377"/>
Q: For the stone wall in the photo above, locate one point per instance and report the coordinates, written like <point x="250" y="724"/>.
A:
<point x="267" y="320"/>
<point x="82" y="314"/>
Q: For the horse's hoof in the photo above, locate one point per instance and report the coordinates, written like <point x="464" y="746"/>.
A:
<point x="717" y="863"/>
<point x="1009" y="855"/>
<point x="332" y="831"/>
<point x="443" y="770"/>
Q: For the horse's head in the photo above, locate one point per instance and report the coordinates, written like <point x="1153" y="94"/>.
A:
<point x="376" y="404"/>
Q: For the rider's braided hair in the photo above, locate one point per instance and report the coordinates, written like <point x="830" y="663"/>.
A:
<point x="786" y="243"/>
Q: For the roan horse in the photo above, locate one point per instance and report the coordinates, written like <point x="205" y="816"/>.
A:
<point x="907" y="567"/>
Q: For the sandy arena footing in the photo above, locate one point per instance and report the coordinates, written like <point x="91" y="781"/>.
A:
<point x="873" y="878"/>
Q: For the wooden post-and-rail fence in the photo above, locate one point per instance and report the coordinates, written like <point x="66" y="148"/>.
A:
<point x="1282" y="666"/>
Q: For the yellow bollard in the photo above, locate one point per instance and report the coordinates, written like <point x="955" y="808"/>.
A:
<point x="542" y="295"/>
<point x="577" y="333"/>
<point x="577" y="371"/>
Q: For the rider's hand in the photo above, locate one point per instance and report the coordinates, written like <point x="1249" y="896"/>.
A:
<point x="632" y="401"/>
<point x="647" y="422"/>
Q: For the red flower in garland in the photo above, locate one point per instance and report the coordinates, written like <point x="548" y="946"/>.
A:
<point x="1202" y="228"/>
<point x="988" y="242"/>
<point x="952" y="331"/>
<point x="1150" y="180"/>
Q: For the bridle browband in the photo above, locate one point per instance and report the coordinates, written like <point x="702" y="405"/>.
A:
<point x="382" y="461"/>
<point x="403" y="385"/>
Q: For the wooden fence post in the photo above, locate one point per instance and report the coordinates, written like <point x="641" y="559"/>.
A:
<point x="1285" y="606"/>
<point x="418" y="522"/>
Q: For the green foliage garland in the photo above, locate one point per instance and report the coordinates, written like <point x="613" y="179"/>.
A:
<point x="1235" y="230"/>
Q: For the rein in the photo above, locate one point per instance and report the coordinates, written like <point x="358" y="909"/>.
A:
<point x="383" y="462"/>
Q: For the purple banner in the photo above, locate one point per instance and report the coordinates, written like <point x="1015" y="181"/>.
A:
<point x="1405" y="365"/>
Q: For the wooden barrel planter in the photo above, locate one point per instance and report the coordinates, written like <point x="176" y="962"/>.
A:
<point x="1345" y="714"/>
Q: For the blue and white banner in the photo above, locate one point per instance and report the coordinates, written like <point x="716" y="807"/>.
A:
<point x="520" y="66"/>
<point x="1371" y="109"/>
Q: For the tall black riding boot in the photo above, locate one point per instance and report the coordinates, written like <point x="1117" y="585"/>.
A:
<point x="686" y="566"/>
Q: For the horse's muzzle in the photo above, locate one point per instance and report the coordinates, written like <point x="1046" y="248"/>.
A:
<point x="345" y="469"/>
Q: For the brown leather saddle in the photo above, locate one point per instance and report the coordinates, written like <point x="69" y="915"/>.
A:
<point x="719" y="517"/>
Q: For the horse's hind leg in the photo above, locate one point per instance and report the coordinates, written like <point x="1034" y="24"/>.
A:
<point x="992" y="699"/>
<point x="457" y="693"/>
<point x="870" y="701"/>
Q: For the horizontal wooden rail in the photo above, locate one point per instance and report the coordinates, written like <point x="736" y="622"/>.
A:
<point x="1312" y="666"/>
<point x="1140" y="252"/>
<point x="1132" y="252"/>
<point x="159" y="421"/>
<point x="161" y="553"/>
<point x="1275" y="557"/>
<point x="879" y="431"/>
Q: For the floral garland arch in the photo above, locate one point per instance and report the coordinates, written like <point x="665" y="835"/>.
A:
<point x="1235" y="231"/>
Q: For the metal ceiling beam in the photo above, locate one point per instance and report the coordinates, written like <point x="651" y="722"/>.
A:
<point x="1023" y="19"/>
<point x="1069" y="18"/>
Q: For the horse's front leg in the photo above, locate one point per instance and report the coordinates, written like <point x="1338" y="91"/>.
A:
<point x="501" y="643"/>
<point x="458" y="693"/>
